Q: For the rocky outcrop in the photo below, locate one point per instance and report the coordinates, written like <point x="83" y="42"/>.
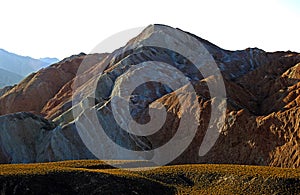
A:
<point x="20" y="134"/>
<point x="5" y="89"/>
<point x="62" y="101"/>
<point x="26" y="137"/>
<point x="261" y="105"/>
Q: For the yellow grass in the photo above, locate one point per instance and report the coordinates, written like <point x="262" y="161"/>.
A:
<point x="185" y="179"/>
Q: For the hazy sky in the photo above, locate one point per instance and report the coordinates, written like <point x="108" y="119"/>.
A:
<point x="60" y="28"/>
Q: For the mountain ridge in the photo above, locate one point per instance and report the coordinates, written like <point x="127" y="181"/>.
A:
<point x="261" y="115"/>
<point x="8" y="78"/>
<point x="18" y="67"/>
<point x="21" y="64"/>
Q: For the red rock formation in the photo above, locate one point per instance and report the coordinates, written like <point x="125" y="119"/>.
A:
<point x="33" y="93"/>
<point x="262" y="115"/>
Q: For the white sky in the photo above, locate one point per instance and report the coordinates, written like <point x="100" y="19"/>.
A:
<point x="60" y="28"/>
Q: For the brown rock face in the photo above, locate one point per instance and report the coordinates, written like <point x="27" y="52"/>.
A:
<point x="62" y="100"/>
<point x="261" y="121"/>
<point x="33" y="93"/>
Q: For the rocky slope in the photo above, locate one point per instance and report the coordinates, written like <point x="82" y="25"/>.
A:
<point x="261" y="104"/>
<point x="33" y="93"/>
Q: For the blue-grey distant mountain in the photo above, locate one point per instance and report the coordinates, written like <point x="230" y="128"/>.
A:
<point x="9" y="78"/>
<point x="49" y="60"/>
<point x="22" y="65"/>
<point x="13" y="67"/>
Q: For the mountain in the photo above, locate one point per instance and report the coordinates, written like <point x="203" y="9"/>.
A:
<point x="221" y="106"/>
<point x="13" y="67"/>
<point x="48" y="60"/>
<point x="9" y="78"/>
<point x="22" y="65"/>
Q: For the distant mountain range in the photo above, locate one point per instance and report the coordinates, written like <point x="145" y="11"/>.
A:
<point x="49" y="60"/>
<point x="9" y="78"/>
<point x="13" y="67"/>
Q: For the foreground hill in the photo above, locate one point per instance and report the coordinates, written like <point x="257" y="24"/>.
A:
<point x="44" y="115"/>
<point x="96" y="177"/>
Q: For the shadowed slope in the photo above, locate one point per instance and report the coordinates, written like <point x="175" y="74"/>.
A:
<point x="94" y="177"/>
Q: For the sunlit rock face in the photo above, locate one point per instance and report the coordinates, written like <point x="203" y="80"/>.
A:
<point x="262" y="104"/>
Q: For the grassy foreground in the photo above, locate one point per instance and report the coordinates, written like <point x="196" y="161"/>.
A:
<point x="96" y="177"/>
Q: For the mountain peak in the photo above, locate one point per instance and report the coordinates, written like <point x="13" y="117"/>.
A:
<point x="261" y="103"/>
